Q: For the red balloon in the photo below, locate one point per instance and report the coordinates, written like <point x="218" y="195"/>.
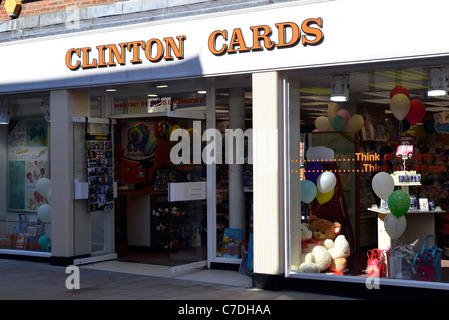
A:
<point x="399" y="89"/>
<point x="416" y="113"/>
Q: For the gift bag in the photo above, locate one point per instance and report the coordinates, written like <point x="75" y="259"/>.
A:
<point x="400" y="263"/>
<point x="376" y="266"/>
<point x="428" y="261"/>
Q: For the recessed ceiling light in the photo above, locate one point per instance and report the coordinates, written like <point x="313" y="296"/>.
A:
<point x="162" y="86"/>
<point x="152" y="95"/>
<point x="111" y="90"/>
<point x="202" y="91"/>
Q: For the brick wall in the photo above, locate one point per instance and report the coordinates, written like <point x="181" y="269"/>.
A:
<point x="39" y="7"/>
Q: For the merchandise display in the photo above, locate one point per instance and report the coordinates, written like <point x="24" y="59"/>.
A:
<point x="388" y="188"/>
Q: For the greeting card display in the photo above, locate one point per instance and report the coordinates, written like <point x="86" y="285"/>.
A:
<point x="100" y="172"/>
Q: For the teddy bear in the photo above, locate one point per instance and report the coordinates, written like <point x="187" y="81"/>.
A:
<point x="323" y="229"/>
<point x="315" y="258"/>
<point x="336" y="244"/>
<point x="339" y="251"/>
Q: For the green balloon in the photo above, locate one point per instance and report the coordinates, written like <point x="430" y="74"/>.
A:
<point x="338" y="123"/>
<point x="398" y="203"/>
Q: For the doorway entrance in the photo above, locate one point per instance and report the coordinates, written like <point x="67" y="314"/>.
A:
<point x="161" y="208"/>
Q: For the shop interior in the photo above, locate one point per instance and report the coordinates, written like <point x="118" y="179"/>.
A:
<point x="149" y="226"/>
<point x="383" y="136"/>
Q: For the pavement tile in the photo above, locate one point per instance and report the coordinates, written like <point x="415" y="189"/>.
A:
<point x="28" y="280"/>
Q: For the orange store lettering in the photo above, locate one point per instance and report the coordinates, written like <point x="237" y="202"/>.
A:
<point x="109" y="55"/>
<point x="289" y="35"/>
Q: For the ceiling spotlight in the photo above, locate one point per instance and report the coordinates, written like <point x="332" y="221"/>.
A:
<point x="437" y="82"/>
<point x="340" y="89"/>
<point x="4" y="115"/>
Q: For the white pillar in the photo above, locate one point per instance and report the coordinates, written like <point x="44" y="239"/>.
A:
<point x="267" y="151"/>
<point x="64" y="104"/>
<point x="236" y="194"/>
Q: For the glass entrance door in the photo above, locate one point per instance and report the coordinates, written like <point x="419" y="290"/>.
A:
<point x="187" y="193"/>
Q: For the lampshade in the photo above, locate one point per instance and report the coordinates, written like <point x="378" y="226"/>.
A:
<point x="437" y="82"/>
<point x="340" y="89"/>
<point x="4" y="115"/>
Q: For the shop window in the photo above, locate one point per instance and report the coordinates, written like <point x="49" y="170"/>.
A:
<point x="370" y="173"/>
<point x="25" y="204"/>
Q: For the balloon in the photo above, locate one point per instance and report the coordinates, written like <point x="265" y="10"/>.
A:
<point x="395" y="226"/>
<point x="338" y="123"/>
<point x="322" y="123"/>
<point x="356" y="123"/>
<point x="162" y="129"/>
<point x="172" y="127"/>
<point x="308" y="191"/>
<point x="383" y="185"/>
<point x="150" y="146"/>
<point x="312" y="171"/>
<point x="400" y="105"/>
<point x="43" y="186"/>
<point x="322" y="198"/>
<point x="399" y="89"/>
<point x="417" y="112"/>
<point x="429" y="126"/>
<point x="326" y="182"/>
<point x="44" y="243"/>
<point x="345" y="115"/>
<point x="399" y="203"/>
<point x="44" y="213"/>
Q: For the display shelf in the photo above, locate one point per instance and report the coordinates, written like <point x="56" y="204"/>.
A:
<point x="386" y="211"/>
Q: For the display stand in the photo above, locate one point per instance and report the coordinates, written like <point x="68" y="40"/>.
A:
<point x="420" y="223"/>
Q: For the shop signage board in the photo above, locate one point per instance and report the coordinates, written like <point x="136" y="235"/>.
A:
<point x="291" y="35"/>
<point x="27" y="163"/>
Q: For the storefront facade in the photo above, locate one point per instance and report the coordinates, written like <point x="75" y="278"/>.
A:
<point x="277" y="62"/>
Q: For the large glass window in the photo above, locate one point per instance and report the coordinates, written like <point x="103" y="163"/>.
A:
<point x="25" y="219"/>
<point x="370" y="170"/>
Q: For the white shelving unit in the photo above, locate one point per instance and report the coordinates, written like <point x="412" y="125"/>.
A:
<point x="420" y="223"/>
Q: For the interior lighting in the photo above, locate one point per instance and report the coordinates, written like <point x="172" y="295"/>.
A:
<point x="4" y="115"/>
<point x="437" y="82"/>
<point x="340" y="89"/>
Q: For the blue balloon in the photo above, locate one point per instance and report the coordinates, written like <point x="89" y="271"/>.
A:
<point x="308" y="191"/>
<point x="44" y="243"/>
<point x="312" y="171"/>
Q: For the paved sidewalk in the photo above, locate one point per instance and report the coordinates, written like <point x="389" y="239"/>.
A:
<point x="27" y="280"/>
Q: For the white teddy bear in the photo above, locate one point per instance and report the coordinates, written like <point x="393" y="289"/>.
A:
<point x="315" y="258"/>
<point x="339" y="250"/>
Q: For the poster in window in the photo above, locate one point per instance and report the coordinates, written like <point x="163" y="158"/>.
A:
<point x="27" y="163"/>
<point x="100" y="172"/>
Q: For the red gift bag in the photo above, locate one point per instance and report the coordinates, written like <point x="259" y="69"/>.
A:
<point x="426" y="270"/>
<point x="376" y="266"/>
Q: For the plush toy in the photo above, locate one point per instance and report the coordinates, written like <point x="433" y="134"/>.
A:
<point x="323" y="229"/>
<point x="337" y="245"/>
<point x="339" y="251"/>
<point x="315" y="258"/>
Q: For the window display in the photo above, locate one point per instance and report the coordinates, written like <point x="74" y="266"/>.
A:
<point x="374" y="175"/>
<point x="25" y="216"/>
